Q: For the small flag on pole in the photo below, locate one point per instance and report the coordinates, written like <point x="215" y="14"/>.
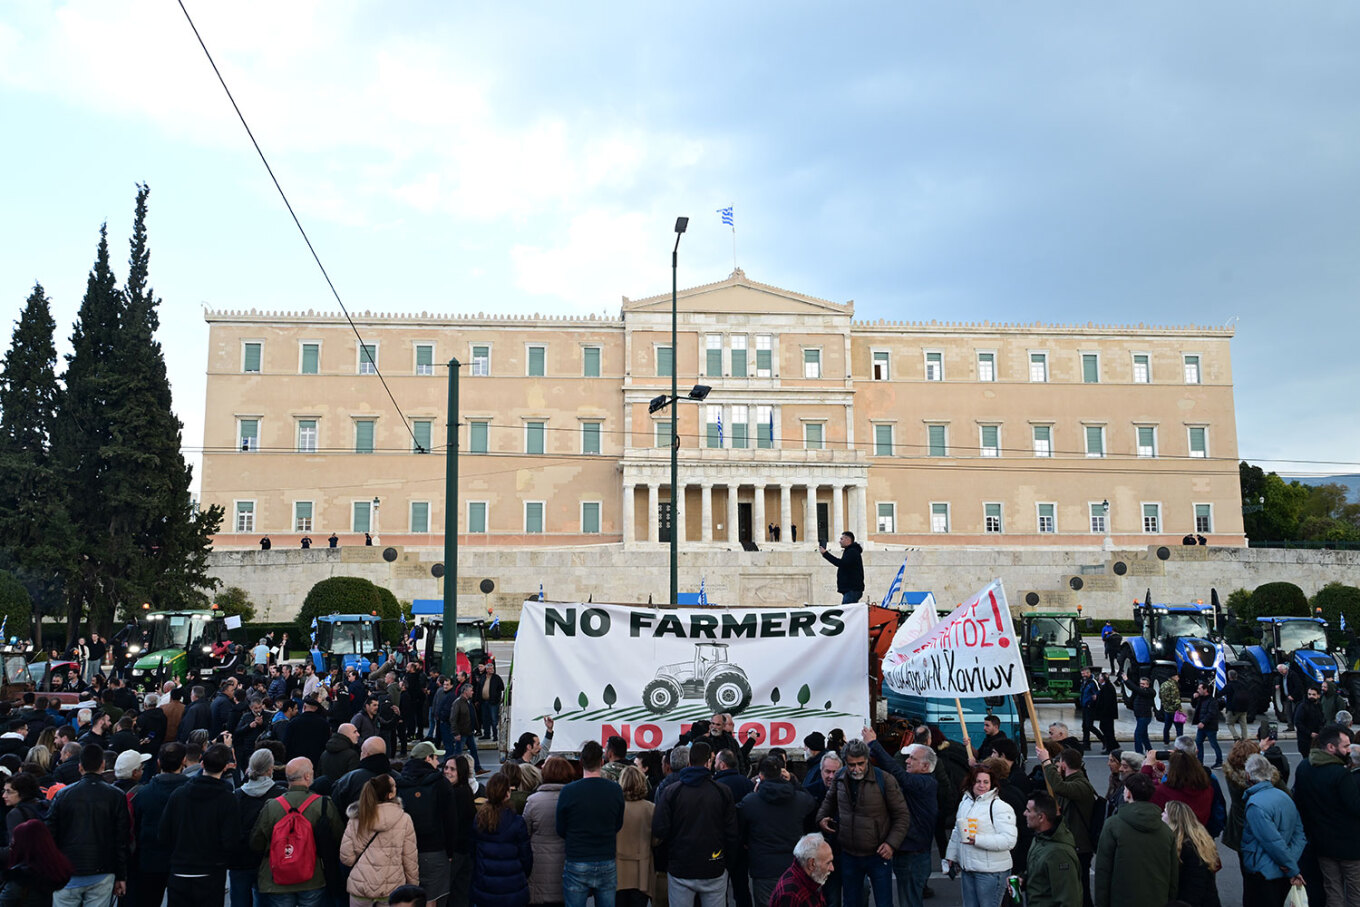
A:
<point x="727" y="216"/>
<point x="896" y="586"/>
<point x="771" y="426"/>
<point x="703" y="595"/>
<point x="1220" y="669"/>
<point x="720" y="434"/>
<point x="540" y="592"/>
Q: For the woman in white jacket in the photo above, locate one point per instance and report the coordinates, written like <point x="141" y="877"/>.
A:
<point x="984" y="834"/>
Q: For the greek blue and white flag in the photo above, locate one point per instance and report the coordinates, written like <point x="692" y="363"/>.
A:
<point x="540" y="592"/>
<point x="896" y="586"/>
<point x="1220" y="669"/>
<point x="720" y="435"/>
<point x="727" y="216"/>
<point x="1343" y="625"/>
<point x="703" y="594"/>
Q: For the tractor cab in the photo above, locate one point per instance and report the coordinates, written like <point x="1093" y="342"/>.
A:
<point x="17" y="678"/>
<point x="1300" y="643"/>
<point x="1053" y="652"/>
<point x="347" y="640"/>
<point x="427" y="636"/>
<point x="1173" y="639"/>
<point x="178" y="645"/>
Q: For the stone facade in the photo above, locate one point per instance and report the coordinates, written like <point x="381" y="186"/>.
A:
<point x="1108" y="582"/>
<point x="907" y="433"/>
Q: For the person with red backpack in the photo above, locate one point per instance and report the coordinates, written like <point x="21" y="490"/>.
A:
<point x="299" y="833"/>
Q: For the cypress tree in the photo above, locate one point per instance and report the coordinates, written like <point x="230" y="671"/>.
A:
<point x="35" y="531"/>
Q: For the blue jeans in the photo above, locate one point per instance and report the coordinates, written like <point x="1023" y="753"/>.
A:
<point x="983" y="889"/>
<point x="470" y="741"/>
<point x="913" y="872"/>
<point x="706" y="892"/>
<point x="849" y="598"/>
<point x="581" y="880"/>
<point x="853" y="871"/>
<point x="311" y="898"/>
<point x="1141" y="743"/>
<point x="1210" y="734"/>
<point x="97" y="894"/>
<point x="244" y="892"/>
<point x="1166" y="727"/>
<point x="491" y="716"/>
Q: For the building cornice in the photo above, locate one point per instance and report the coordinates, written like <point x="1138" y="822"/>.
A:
<point x="1031" y="328"/>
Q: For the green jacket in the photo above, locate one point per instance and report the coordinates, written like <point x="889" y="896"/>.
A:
<point x="264" y="830"/>
<point x="1136" y="862"/>
<point x="1170" y="693"/>
<point x="1076" y="798"/>
<point x="1052" y="871"/>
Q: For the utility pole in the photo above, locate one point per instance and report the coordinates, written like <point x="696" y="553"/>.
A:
<point x="450" y="629"/>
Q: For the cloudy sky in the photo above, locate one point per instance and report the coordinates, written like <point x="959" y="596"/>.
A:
<point x="1168" y="163"/>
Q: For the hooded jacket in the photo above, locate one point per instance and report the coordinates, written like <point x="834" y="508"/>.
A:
<point x="197" y="715"/>
<point x="1272" y="838"/>
<point x="874" y="814"/>
<point x="771" y="820"/>
<point x="849" y="568"/>
<point x="250" y="800"/>
<point x="697" y="820"/>
<point x="148" y="805"/>
<point x="339" y="758"/>
<point x="550" y="851"/>
<point x="1052" y="870"/>
<point x="1328" y="801"/>
<point x="202" y="825"/>
<point x="502" y="860"/>
<point x="350" y="785"/>
<point x="383" y="858"/>
<point x="995" y="834"/>
<point x="428" y="799"/>
<point x="1136" y="861"/>
<point x="307" y="735"/>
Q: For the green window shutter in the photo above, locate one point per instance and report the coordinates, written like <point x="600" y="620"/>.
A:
<point x="311" y="359"/>
<point x="363" y="515"/>
<point x="590" y="517"/>
<point x="883" y="440"/>
<point x="739" y="435"/>
<point x="302" y="516"/>
<point x="363" y="437"/>
<point x="1095" y="441"/>
<point x="663" y="434"/>
<point x="533" y="438"/>
<point x="1090" y="368"/>
<point x="739" y="363"/>
<point x="424" y="359"/>
<point x="1197" y="442"/>
<point x="477" y="516"/>
<point x="422" y="429"/>
<point x="253" y="354"/>
<point x="590" y="362"/>
<point x="477" y="432"/>
<point x="368" y="359"/>
<point x="420" y="516"/>
<point x="814" y="436"/>
<point x="664" y="362"/>
<point x="986" y="366"/>
<point x="937" y="441"/>
<point x="711" y="435"/>
<point x="250" y="434"/>
<point x="536" y="357"/>
<point x="1147" y="441"/>
<point x="713" y="363"/>
<point x="533" y="516"/>
<point x="764" y="361"/>
<point x="990" y="435"/>
<point x="590" y="437"/>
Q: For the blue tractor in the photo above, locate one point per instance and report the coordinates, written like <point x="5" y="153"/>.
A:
<point x="1300" y="643"/>
<point x="1173" y="639"/>
<point x="348" y="640"/>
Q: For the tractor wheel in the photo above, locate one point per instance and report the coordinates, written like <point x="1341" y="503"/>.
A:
<point x="1132" y="671"/>
<point x="661" y="695"/>
<point x="1254" y="685"/>
<point x="728" y="691"/>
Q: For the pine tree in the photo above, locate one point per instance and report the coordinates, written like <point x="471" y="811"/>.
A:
<point x="35" y="531"/>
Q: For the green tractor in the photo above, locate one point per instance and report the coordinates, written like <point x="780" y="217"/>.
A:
<point x="1053" y="652"/>
<point x="183" y="646"/>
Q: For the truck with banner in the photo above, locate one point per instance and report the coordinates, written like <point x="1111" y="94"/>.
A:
<point x="646" y="674"/>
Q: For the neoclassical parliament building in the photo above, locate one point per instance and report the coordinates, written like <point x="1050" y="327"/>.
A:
<point x="906" y="433"/>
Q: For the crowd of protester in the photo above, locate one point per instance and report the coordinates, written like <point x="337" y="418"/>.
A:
<point x="290" y="787"/>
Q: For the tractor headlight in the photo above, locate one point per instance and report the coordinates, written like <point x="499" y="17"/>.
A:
<point x="137" y="673"/>
<point x="207" y="650"/>
<point x="134" y="649"/>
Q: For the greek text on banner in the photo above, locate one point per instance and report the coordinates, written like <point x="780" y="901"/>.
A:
<point x="646" y="674"/>
<point x="972" y="652"/>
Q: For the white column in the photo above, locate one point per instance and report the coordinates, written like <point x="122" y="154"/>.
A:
<point x="810" y="514"/>
<point x="758" y="514"/>
<point x="732" y="537"/>
<point x="679" y="526"/>
<point x="653" y="513"/>
<point x="628" y="503"/>
<point x="785" y="510"/>
<point x="837" y="510"/>
<point x="706" y="512"/>
<point x="861" y="497"/>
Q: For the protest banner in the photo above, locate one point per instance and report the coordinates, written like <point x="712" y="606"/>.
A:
<point x="971" y="652"/>
<point x="918" y="623"/>
<point x="646" y="674"/>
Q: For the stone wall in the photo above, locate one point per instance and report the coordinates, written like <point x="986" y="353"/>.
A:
<point x="1104" y="583"/>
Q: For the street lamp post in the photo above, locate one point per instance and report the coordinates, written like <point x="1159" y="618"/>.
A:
<point x="680" y="224"/>
<point x="376" y="502"/>
<point x="1109" y="541"/>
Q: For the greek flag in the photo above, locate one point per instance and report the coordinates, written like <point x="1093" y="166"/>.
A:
<point x="896" y="586"/>
<point x="1220" y="670"/>
<point x="313" y="631"/>
<point x="720" y="436"/>
<point x="3" y="624"/>
<point x="727" y="216"/>
<point x="1343" y="625"/>
<point x="771" y="426"/>
<point x="540" y="592"/>
<point x="703" y="595"/>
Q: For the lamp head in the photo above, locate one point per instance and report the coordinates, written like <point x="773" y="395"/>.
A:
<point x="658" y="403"/>
<point x="680" y="224"/>
<point x="699" y="392"/>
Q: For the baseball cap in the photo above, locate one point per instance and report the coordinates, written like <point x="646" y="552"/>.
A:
<point x="423" y="750"/>
<point x="127" y="763"/>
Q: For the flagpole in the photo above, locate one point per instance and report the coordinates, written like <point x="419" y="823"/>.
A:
<point x="1038" y="736"/>
<point x="734" y="245"/>
<point x="963" y="726"/>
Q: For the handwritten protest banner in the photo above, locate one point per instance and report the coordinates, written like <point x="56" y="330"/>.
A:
<point x="972" y="652"/>
<point x="917" y="624"/>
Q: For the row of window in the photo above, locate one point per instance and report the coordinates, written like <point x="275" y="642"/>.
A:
<point x="724" y="356"/>
<point x="1041" y="441"/>
<point x="308" y="433"/>
<point x="1046" y="517"/>
<point x="364" y="517"/>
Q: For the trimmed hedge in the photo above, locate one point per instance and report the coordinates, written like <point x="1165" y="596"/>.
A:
<point x="1276" y="600"/>
<point x="1336" y="599"/>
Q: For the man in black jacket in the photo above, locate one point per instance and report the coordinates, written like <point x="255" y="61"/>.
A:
<point x="696" y="820"/>
<point x="222" y="705"/>
<point x="89" y="822"/>
<point x="308" y="733"/>
<point x="1308" y="719"/>
<point x="197" y="715"/>
<point x="203" y="823"/>
<point x="772" y="819"/>
<point x="428" y="799"/>
<point x="849" y="568"/>
<point x="372" y="762"/>
<point x="148" y="805"/>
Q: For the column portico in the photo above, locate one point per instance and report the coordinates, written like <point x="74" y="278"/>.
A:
<point x="628" y="507"/>
<point x="733" y="536"/>
<point x="758" y="513"/>
<point x="785" y="510"/>
<point x="810" y="514"/>
<point x="706" y="512"/>
<point x="837" y="512"/>
<point x="653" y="513"/>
